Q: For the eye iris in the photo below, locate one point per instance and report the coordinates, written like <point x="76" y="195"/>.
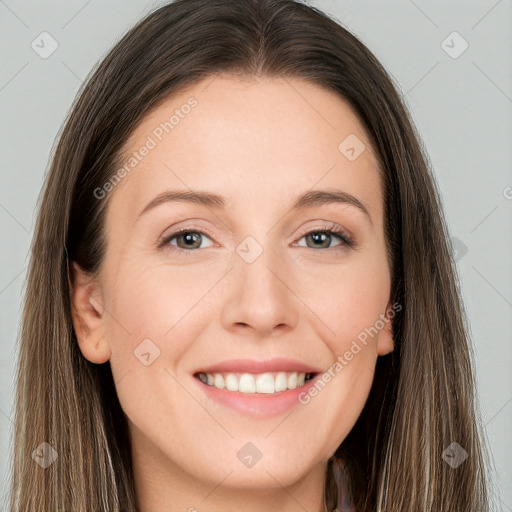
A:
<point x="317" y="238"/>
<point x="189" y="236"/>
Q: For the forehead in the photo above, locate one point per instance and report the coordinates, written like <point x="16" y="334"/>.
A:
<point x="247" y="139"/>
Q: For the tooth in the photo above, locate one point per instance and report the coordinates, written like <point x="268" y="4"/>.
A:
<point x="231" y="382"/>
<point x="247" y="384"/>
<point x="292" y="380"/>
<point x="265" y="383"/>
<point x="281" y="382"/>
<point x="218" y="381"/>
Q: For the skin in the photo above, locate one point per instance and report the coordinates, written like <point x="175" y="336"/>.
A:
<point x="260" y="143"/>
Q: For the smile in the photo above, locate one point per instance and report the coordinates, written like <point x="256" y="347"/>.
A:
<point x="263" y="383"/>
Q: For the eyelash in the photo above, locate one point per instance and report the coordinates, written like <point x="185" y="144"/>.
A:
<point x="332" y="229"/>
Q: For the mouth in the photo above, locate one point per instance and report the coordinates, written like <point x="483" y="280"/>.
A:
<point x="267" y="383"/>
<point x="263" y="388"/>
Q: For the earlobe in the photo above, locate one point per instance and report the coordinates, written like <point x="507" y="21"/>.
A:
<point x="385" y="342"/>
<point x="87" y="312"/>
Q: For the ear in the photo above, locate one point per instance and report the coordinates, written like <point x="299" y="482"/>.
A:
<point x="385" y="342"/>
<point x="87" y="312"/>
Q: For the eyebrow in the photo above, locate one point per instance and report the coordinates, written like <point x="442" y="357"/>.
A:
<point x="307" y="200"/>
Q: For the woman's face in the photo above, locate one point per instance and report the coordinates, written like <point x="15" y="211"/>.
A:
<point x="253" y="293"/>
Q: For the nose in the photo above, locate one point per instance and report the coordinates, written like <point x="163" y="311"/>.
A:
<point x="261" y="297"/>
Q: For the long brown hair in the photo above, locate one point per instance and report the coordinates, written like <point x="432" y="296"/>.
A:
<point x="422" y="399"/>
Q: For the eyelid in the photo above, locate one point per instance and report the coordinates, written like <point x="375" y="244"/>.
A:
<point x="335" y="229"/>
<point x="164" y="239"/>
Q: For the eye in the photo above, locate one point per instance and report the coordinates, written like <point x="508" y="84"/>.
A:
<point x="321" y="239"/>
<point x="186" y="239"/>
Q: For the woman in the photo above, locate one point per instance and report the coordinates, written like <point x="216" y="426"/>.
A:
<point x="241" y="295"/>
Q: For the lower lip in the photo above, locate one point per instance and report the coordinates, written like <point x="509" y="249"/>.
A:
<point x="257" y="404"/>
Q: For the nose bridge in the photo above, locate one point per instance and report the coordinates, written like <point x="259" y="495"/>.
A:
<point x="260" y="297"/>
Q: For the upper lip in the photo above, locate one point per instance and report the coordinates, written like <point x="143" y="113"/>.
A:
<point x="259" y="366"/>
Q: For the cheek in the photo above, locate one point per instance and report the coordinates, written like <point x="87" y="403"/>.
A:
<point x="347" y="300"/>
<point x="156" y="315"/>
<point x="151" y="303"/>
<point x="152" y="297"/>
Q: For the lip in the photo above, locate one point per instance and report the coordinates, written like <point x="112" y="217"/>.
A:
<point x="259" y="366"/>
<point x="258" y="404"/>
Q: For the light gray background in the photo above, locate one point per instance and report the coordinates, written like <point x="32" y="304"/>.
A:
<point x="462" y="107"/>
